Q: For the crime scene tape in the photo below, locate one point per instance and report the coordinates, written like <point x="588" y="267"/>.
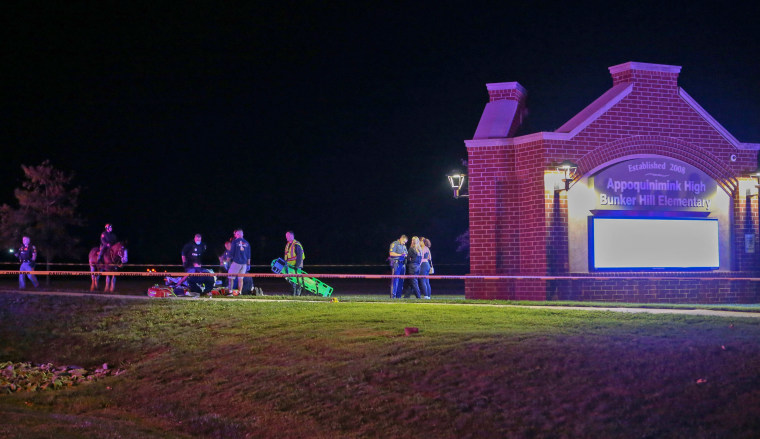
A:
<point x="85" y="264"/>
<point x="365" y="276"/>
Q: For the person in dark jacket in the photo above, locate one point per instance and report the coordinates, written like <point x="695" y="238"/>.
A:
<point x="240" y="262"/>
<point x="192" y="252"/>
<point x="226" y="257"/>
<point x="27" y="255"/>
<point x="107" y="239"/>
<point x="197" y="284"/>
<point x="413" y="260"/>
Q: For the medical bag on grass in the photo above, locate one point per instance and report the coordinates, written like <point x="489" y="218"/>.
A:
<point x="159" y="291"/>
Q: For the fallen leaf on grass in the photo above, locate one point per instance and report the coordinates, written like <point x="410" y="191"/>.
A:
<point x="410" y="330"/>
<point x="16" y="377"/>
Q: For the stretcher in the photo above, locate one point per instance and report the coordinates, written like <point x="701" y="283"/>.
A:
<point x="311" y="284"/>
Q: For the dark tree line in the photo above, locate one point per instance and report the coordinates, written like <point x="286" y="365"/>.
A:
<point x="46" y="212"/>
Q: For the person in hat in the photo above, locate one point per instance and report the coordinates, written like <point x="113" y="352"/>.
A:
<point x="27" y="255"/>
<point x="107" y="239"/>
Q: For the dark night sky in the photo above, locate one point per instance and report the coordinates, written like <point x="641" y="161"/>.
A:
<point x="338" y="121"/>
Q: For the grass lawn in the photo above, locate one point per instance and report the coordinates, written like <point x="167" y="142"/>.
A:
<point x="237" y="368"/>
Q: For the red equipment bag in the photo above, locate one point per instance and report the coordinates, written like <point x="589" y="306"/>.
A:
<point x="158" y="291"/>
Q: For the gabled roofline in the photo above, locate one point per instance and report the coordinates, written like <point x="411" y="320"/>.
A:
<point x="509" y="141"/>
<point x="595" y="109"/>
<point x="602" y="105"/>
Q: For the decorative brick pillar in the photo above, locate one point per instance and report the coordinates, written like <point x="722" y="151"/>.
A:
<point x="494" y="213"/>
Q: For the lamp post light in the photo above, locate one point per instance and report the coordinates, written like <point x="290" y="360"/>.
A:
<point x="568" y="169"/>
<point x="756" y="176"/>
<point x="457" y="182"/>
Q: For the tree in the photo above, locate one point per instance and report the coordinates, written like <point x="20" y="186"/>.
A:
<point x="47" y="211"/>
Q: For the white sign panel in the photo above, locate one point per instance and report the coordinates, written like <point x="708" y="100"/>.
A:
<point x="654" y="243"/>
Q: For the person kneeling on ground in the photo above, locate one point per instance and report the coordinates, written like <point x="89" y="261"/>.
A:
<point x="197" y="284"/>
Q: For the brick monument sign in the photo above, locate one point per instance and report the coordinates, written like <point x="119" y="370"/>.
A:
<point x="657" y="202"/>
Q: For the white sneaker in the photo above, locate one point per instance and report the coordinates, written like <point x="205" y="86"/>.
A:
<point x="427" y="297"/>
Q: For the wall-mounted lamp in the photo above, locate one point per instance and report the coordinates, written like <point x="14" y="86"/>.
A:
<point x="756" y="175"/>
<point x="568" y="169"/>
<point x="457" y="182"/>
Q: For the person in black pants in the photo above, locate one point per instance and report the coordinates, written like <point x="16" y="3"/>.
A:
<point x="413" y="260"/>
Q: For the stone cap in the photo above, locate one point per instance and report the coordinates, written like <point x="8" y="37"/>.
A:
<point x="632" y="65"/>
<point x="639" y="72"/>
<point x="506" y="90"/>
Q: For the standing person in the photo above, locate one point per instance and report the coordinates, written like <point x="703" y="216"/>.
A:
<point x="192" y="252"/>
<point x="226" y="257"/>
<point x="107" y="239"/>
<point x="426" y="266"/>
<point x="294" y="257"/>
<point x="27" y="254"/>
<point x="240" y="262"/>
<point x="413" y="260"/>
<point x="397" y="255"/>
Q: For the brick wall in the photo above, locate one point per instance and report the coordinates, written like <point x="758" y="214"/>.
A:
<point x="663" y="288"/>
